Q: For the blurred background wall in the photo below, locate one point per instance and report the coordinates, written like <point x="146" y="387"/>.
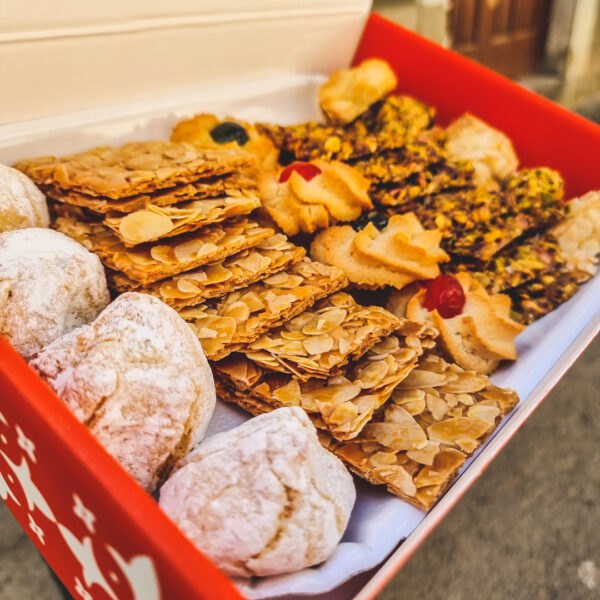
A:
<point x="550" y="46"/>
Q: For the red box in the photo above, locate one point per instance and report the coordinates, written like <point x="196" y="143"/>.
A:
<point x="100" y="532"/>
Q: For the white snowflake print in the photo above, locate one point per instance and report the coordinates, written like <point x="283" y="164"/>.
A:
<point x="36" y="529"/>
<point x="86" y="515"/>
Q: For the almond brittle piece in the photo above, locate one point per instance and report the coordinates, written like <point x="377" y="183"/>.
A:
<point x="135" y="168"/>
<point x="152" y="262"/>
<point x="318" y="342"/>
<point x="155" y="222"/>
<point x="437" y="417"/>
<point x="270" y="256"/>
<point x="340" y="405"/>
<point x="224" y="325"/>
<point x="212" y="187"/>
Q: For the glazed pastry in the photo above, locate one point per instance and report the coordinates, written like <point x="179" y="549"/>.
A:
<point x="21" y="202"/>
<point x="138" y="379"/>
<point x="475" y="328"/>
<point x="49" y="285"/>
<point x="310" y="196"/>
<point x="262" y="499"/>
<point x="401" y="252"/>
<point x="350" y="92"/>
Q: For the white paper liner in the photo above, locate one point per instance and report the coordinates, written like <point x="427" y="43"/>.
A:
<point x="379" y="520"/>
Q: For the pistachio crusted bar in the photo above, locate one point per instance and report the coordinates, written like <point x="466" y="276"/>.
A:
<point x="217" y="279"/>
<point x="476" y="224"/>
<point x="224" y="325"/>
<point x="387" y="124"/>
<point x="318" y="342"/>
<point x="418" y="440"/>
<point x="135" y="168"/>
<point x="147" y="263"/>
<point x="341" y="404"/>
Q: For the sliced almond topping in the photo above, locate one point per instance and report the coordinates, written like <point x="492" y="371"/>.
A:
<point x="144" y="225"/>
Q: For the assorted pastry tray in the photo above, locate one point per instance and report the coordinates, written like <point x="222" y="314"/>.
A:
<point x="374" y="272"/>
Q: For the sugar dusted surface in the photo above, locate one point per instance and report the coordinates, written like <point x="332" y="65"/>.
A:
<point x="22" y="204"/>
<point x="263" y="498"/>
<point x="49" y="285"/>
<point x="138" y="378"/>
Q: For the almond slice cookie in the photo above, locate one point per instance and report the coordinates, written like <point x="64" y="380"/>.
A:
<point x="155" y="222"/>
<point x="135" y="168"/>
<point x="342" y="404"/>
<point x="241" y="317"/>
<point x="148" y="263"/>
<point x="211" y="187"/>
<point x="437" y="416"/>
<point x="217" y="279"/>
<point x="318" y="342"/>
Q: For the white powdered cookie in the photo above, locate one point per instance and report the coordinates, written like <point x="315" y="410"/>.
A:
<point x="22" y="204"/>
<point x="264" y="498"/>
<point x="137" y="377"/>
<point x="49" y="285"/>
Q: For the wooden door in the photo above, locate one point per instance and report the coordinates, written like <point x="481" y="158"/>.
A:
<point x="505" y="35"/>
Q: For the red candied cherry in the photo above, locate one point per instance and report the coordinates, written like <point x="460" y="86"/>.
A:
<point x="305" y="169"/>
<point x="446" y="294"/>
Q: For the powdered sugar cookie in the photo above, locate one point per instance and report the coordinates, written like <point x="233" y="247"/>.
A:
<point x="49" y="285"/>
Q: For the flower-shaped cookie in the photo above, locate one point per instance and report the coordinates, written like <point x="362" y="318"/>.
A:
<point x="349" y="92"/>
<point x="402" y="252"/>
<point x="208" y="131"/>
<point x="475" y="327"/>
<point x="310" y="196"/>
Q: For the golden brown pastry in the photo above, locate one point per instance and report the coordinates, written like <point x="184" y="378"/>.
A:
<point x="350" y="92"/>
<point x="310" y="196"/>
<point x="475" y="327"/>
<point x="400" y="253"/>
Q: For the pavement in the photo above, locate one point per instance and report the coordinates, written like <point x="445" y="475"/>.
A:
<point x="529" y="528"/>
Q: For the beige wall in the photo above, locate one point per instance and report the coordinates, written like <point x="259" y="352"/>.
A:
<point x="59" y="56"/>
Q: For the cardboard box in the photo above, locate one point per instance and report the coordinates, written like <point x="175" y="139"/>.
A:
<point x="97" y="528"/>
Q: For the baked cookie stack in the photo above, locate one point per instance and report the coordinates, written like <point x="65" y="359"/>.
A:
<point x="173" y="221"/>
<point x="383" y="402"/>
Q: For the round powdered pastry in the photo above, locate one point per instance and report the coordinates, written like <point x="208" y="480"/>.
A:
<point x="139" y="380"/>
<point x="263" y="498"/>
<point x="49" y="285"/>
<point x="21" y="202"/>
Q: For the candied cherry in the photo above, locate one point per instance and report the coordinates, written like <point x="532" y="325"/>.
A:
<point x="305" y="169"/>
<point x="446" y="294"/>
<point x="228" y="131"/>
